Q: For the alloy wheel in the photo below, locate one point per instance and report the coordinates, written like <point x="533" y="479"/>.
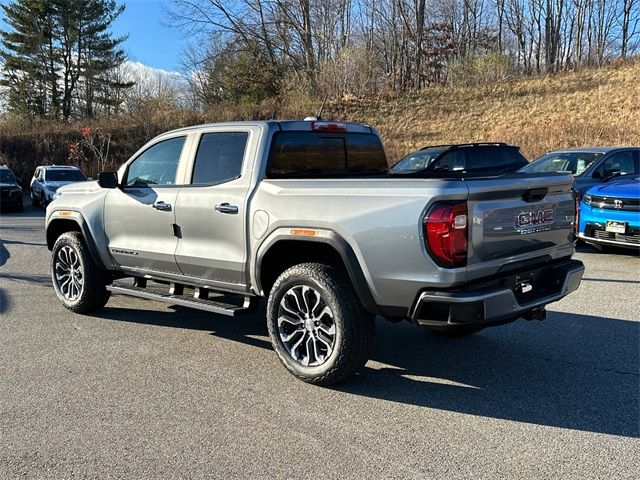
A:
<point x="68" y="273"/>
<point x="306" y="326"/>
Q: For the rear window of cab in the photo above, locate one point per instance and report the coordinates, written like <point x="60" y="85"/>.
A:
<point x="326" y="155"/>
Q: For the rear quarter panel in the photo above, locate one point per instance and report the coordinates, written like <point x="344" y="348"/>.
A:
<point x="379" y="218"/>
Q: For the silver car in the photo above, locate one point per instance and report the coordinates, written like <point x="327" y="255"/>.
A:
<point x="47" y="179"/>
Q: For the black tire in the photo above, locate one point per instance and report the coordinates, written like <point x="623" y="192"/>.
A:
<point x="457" y="332"/>
<point x="354" y="327"/>
<point x="43" y="201"/>
<point x="20" y="206"/>
<point x="34" y="200"/>
<point x="93" y="294"/>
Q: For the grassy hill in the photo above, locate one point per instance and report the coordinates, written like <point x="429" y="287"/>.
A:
<point x="591" y="107"/>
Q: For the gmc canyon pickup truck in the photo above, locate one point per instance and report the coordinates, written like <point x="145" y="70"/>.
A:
<point x="307" y="215"/>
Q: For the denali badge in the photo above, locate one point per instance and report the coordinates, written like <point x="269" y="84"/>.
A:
<point x="532" y="222"/>
<point x="617" y="204"/>
<point x="123" y="252"/>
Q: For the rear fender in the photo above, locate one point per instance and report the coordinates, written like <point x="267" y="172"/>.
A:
<point x="326" y="237"/>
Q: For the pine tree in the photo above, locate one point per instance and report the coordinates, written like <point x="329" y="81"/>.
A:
<point x="102" y="56"/>
<point x="59" y="56"/>
<point x="29" y="58"/>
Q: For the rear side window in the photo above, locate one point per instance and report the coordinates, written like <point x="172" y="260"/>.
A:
<point x="219" y="157"/>
<point x="488" y="159"/>
<point x="311" y="154"/>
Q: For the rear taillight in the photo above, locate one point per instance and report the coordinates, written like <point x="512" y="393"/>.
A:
<point x="445" y="231"/>
<point x="328" y="127"/>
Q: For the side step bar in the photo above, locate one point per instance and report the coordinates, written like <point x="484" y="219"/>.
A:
<point x="175" y="297"/>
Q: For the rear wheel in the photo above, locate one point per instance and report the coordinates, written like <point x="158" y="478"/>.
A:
<point x="319" y="329"/>
<point x="34" y="199"/>
<point x="43" y="201"/>
<point x="79" y="283"/>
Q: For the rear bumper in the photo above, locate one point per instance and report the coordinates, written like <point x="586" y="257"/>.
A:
<point x="499" y="300"/>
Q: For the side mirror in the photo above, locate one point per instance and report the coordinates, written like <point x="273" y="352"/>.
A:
<point x="108" y="179"/>
<point x="609" y="174"/>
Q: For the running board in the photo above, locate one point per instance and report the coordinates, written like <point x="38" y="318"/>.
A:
<point x="175" y="297"/>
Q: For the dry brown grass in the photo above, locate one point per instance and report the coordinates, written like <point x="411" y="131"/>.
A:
<point x="591" y="107"/>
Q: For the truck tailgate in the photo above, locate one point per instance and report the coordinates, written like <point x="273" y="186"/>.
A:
<point x="518" y="219"/>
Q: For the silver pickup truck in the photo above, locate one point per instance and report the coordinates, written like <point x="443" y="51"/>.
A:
<point x="307" y="215"/>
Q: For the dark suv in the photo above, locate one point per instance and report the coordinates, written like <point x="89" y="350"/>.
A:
<point x="484" y="158"/>
<point x="10" y="190"/>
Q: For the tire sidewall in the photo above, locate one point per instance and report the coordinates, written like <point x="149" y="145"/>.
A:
<point x="280" y="288"/>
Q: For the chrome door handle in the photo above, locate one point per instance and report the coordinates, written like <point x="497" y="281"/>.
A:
<point x="165" y="207"/>
<point x="226" y="208"/>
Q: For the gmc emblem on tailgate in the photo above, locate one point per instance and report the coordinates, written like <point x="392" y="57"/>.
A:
<point x="535" y="221"/>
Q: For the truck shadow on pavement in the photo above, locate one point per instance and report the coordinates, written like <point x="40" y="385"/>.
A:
<point x="572" y="371"/>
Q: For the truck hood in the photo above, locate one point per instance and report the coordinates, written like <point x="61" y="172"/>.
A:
<point x="79" y="187"/>
<point x="627" y="188"/>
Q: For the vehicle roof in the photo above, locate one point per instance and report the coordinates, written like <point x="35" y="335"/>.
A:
<point x="592" y="149"/>
<point x="278" y="124"/>
<point x="466" y="145"/>
<point x="62" y="167"/>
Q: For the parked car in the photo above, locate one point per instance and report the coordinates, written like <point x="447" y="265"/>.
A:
<point x="589" y="165"/>
<point x="10" y="190"/>
<point x="487" y="158"/>
<point x="47" y="179"/>
<point x="304" y="214"/>
<point x="610" y="214"/>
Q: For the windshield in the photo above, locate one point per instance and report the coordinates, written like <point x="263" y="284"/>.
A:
<point x="416" y="161"/>
<point x="69" y="175"/>
<point x="6" y="176"/>
<point x="572" y="162"/>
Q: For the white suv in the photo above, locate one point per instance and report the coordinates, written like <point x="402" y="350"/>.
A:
<point x="47" y="179"/>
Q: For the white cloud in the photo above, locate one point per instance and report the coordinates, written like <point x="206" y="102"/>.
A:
<point x="145" y="75"/>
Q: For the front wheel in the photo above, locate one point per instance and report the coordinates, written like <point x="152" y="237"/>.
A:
<point x="79" y="283"/>
<point x="317" y="325"/>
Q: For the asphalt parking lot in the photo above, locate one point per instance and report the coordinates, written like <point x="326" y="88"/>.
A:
<point x="146" y="391"/>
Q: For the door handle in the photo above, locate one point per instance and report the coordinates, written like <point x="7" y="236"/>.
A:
<point x="226" y="208"/>
<point x="165" y="207"/>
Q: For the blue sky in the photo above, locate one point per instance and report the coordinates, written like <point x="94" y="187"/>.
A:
<point x="150" y="41"/>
